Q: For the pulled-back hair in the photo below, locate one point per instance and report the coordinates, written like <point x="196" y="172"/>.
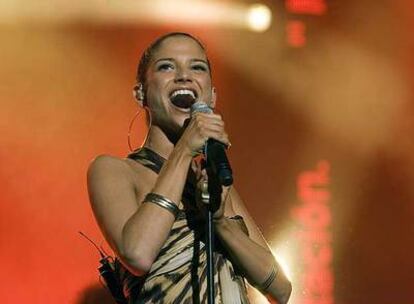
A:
<point x="153" y="47"/>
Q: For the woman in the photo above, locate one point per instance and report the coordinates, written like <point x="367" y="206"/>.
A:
<point x="145" y="204"/>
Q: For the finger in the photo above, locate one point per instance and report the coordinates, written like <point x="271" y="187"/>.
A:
<point x="213" y="130"/>
<point x="225" y="194"/>
<point x="215" y="116"/>
<point x="213" y="127"/>
<point x="219" y="136"/>
<point x="202" y="114"/>
<point x="209" y="118"/>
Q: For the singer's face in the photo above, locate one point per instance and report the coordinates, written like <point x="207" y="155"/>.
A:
<point x="179" y="66"/>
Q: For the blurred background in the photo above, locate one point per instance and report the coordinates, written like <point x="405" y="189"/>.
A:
<point x="318" y="100"/>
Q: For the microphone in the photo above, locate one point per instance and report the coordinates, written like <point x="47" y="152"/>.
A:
<point x="214" y="150"/>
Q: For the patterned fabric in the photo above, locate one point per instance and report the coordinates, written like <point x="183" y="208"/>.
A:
<point x="178" y="275"/>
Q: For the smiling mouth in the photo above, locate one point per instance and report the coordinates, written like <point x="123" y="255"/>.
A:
<point x="183" y="98"/>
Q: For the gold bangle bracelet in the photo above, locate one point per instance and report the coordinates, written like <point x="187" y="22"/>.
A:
<point x="269" y="280"/>
<point x="163" y="202"/>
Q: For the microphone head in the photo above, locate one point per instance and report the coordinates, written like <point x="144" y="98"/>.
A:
<point x="200" y="107"/>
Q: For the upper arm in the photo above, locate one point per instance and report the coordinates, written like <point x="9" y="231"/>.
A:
<point x="112" y="197"/>
<point x="239" y="208"/>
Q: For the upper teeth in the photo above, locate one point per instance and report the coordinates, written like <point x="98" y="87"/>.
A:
<point x="183" y="92"/>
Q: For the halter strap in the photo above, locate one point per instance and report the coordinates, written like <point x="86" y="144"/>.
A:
<point x="148" y="158"/>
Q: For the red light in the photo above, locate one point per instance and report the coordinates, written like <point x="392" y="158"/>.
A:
<point x="295" y="31"/>
<point x="309" y="7"/>
<point x="314" y="218"/>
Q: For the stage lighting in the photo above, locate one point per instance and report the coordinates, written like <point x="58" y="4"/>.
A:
<point x="225" y="14"/>
<point x="284" y="265"/>
<point x="259" y="17"/>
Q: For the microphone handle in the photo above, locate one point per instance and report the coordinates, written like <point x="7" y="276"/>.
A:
<point x="215" y="151"/>
<point x="217" y="158"/>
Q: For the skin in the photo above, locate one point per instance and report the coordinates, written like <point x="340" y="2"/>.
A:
<point x="117" y="187"/>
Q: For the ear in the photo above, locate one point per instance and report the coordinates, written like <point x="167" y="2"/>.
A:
<point x="213" y="97"/>
<point x="138" y="93"/>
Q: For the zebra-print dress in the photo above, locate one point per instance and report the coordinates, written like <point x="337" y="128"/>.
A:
<point x="178" y="274"/>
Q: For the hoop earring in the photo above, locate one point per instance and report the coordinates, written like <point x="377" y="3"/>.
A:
<point x="132" y="123"/>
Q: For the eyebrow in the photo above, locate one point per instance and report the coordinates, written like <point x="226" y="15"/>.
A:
<point x="172" y="59"/>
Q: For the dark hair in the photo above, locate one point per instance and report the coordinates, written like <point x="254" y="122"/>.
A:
<point x="153" y="47"/>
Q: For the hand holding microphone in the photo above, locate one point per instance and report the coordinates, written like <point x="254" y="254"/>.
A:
<point x="214" y="150"/>
<point x="199" y="128"/>
<point x="205" y="131"/>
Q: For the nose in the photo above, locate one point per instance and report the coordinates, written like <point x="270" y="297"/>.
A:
<point x="183" y="75"/>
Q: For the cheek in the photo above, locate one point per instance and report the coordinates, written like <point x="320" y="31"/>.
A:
<point x="206" y="80"/>
<point x="153" y="84"/>
<point x="206" y="83"/>
<point x="154" y="90"/>
<point x="208" y="92"/>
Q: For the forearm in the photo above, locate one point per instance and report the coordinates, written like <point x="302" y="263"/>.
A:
<point x="147" y="229"/>
<point x="252" y="259"/>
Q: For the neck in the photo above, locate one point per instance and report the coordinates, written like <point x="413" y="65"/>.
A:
<point x="158" y="142"/>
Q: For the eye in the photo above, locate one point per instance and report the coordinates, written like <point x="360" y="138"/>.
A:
<point x="165" y="67"/>
<point x="199" y="67"/>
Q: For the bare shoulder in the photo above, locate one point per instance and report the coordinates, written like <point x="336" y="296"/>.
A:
<point x="104" y="166"/>
<point x="106" y="172"/>
<point x="112" y="195"/>
<point x="105" y="163"/>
